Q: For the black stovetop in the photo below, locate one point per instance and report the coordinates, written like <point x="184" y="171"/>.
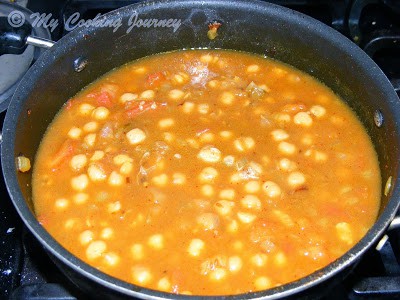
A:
<point x="26" y="272"/>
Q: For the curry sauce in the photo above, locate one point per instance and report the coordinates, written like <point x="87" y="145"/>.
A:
<point x="206" y="172"/>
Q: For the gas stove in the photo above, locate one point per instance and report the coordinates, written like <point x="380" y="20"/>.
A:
<point x="26" y="272"/>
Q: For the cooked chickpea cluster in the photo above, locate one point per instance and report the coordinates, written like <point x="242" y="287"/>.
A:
<point x="206" y="173"/>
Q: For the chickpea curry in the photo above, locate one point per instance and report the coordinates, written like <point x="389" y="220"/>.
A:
<point x="206" y="172"/>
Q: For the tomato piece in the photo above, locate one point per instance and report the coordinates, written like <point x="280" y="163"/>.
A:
<point x="155" y="79"/>
<point x="141" y="107"/>
<point x="104" y="99"/>
<point x="69" y="104"/>
<point x="66" y="150"/>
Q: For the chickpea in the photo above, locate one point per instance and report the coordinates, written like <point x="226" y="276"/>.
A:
<point x="252" y="187"/>
<point x="120" y="159"/>
<point x="224" y="207"/>
<point x="213" y="84"/>
<point x="107" y="233"/>
<point x="235" y="264"/>
<point x="253" y="69"/>
<point x="279" y="72"/>
<point x="262" y="283"/>
<point x="141" y="275"/>
<point x="209" y="221"/>
<point x="229" y="160"/>
<point x="140" y="70"/>
<point x="271" y="189"/>
<point x="115" y="179"/>
<point x="302" y="118"/>
<point x="136" y="136"/>
<point x="227" y="98"/>
<point x="160" y="180"/>
<point x="318" y="111"/>
<point x="137" y="251"/>
<point x="188" y="107"/>
<point x="320" y="156"/>
<point x="61" y="203"/>
<point x="293" y="78"/>
<point x="95" y="249"/>
<point x="195" y="247"/>
<point x="251" y="202"/>
<point x="114" y="207"/>
<point x="71" y="223"/>
<point x="97" y="155"/>
<point x="147" y="95"/>
<point x="126" y="97"/>
<point x="193" y="143"/>
<point x="287" y="148"/>
<point x="180" y="78"/>
<point x="259" y="260"/>
<point x="111" y="259"/>
<point x="218" y="274"/>
<point x="101" y="113"/>
<point x="74" y="133"/>
<point x="166" y="123"/>
<point x="80" y="198"/>
<point x="169" y="137"/>
<point x="90" y="139"/>
<point x="209" y="154"/>
<point x="307" y="139"/>
<point x="344" y="232"/>
<point x="233" y="226"/>
<point x="279" y="135"/>
<point x="86" y="109"/>
<point x="96" y="173"/>
<point x="286" y="164"/>
<point x="246" y="217"/>
<point x="207" y="190"/>
<point x="126" y="168"/>
<point x="207" y="137"/>
<point x="80" y="183"/>
<point x="208" y="174"/>
<point x="282" y="118"/>
<point x="296" y="179"/>
<point x="78" y="162"/>
<point x="203" y="108"/>
<point x="178" y="178"/>
<point x="206" y="58"/>
<point x="156" y="241"/>
<point x="164" y="284"/>
<point x="226" y="134"/>
<point x="238" y="245"/>
<point x="244" y="143"/>
<point x="176" y="94"/>
<point x="280" y="259"/>
<point x="90" y="126"/>
<point x="86" y="237"/>
<point x="227" y="194"/>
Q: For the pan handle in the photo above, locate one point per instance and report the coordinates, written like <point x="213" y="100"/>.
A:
<point x="396" y="84"/>
<point x="395" y="224"/>
<point x="39" y="42"/>
<point x="14" y="38"/>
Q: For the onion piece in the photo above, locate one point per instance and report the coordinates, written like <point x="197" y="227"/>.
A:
<point x="23" y="164"/>
<point x="254" y="91"/>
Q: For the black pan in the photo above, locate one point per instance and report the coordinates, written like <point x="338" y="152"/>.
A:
<point x="246" y="25"/>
